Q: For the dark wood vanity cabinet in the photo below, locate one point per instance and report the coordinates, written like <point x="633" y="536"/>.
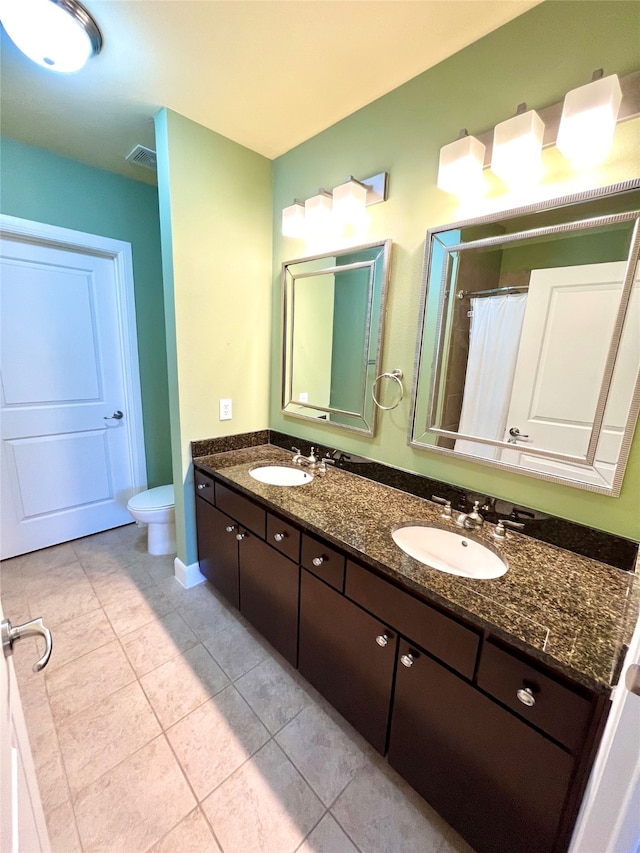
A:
<point x="500" y="783"/>
<point x="497" y="742"/>
<point x="348" y="656"/>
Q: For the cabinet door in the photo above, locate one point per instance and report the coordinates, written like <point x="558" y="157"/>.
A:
<point x="501" y="784"/>
<point x="348" y="656"/>
<point x="269" y="585"/>
<point x="218" y="549"/>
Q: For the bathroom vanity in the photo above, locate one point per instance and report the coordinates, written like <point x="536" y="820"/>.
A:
<point x="487" y="696"/>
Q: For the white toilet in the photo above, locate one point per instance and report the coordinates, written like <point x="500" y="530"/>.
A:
<point x="156" y="508"/>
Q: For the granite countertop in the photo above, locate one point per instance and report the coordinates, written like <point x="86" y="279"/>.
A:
<point x="567" y="610"/>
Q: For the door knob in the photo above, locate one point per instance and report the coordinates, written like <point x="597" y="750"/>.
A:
<point x="35" y="628"/>
<point x="116" y="416"/>
<point x="516" y="435"/>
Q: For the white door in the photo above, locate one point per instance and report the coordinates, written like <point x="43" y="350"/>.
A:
<point x="22" y="825"/>
<point x="68" y="364"/>
<point x="570" y="317"/>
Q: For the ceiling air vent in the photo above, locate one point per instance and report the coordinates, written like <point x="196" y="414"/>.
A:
<point x="142" y="156"/>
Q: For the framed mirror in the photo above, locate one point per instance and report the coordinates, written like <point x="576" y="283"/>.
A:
<point x="528" y="354"/>
<point x="333" y="312"/>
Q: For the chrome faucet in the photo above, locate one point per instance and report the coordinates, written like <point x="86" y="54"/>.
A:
<point x="470" y="520"/>
<point x="311" y="460"/>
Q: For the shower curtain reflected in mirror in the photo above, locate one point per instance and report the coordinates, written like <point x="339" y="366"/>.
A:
<point x="494" y="339"/>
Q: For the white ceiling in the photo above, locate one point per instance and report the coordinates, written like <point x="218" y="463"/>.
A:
<point x="268" y="74"/>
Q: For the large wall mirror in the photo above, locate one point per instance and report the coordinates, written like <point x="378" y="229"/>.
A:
<point x="529" y="347"/>
<point x="333" y="312"/>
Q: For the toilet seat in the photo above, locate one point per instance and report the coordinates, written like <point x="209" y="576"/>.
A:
<point x="161" y="497"/>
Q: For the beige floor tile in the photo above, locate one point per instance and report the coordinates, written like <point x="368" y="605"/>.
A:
<point x="98" y="560"/>
<point x="327" y="758"/>
<point x="205" y="613"/>
<point x="136" y="608"/>
<point x="86" y="680"/>
<point x="66" y="599"/>
<point x="266" y="806"/>
<point x="113" y="586"/>
<point x="159" y="567"/>
<point x="328" y="837"/>
<point x="52" y="780"/>
<point x="135" y="804"/>
<point x="182" y="684"/>
<point x="376" y="814"/>
<point x="236" y="649"/>
<point x="15" y="606"/>
<point x="61" y="827"/>
<point x="191" y="835"/>
<point x="273" y="694"/>
<point x="103" y="735"/>
<point x="77" y="637"/>
<point x="47" y="558"/>
<point x="215" y="739"/>
<point x="158" y="642"/>
<point x="46" y="581"/>
<point x="174" y="591"/>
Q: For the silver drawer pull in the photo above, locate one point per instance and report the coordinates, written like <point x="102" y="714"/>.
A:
<point x="240" y="536"/>
<point x="279" y="536"/>
<point x="230" y="528"/>
<point x="382" y="640"/>
<point x="525" y="695"/>
<point x="318" y="561"/>
<point x="35" y="628"/>
<point x="407" y="660"/>
<point x="202" y="486"/>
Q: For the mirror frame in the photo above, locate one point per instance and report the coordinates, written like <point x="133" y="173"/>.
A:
<point x="365" y="420"/>
<point x="426" y="376"/>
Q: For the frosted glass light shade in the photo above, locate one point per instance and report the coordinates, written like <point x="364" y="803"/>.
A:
<point x="589" y="120"/>
<point x="319" y="214"/>
<point x="293" y="220"/>
<point x="517" y="149"/>
<point x="460" y="166"/>
<point x="58" y="35"/>
<point x="349" y="202"/>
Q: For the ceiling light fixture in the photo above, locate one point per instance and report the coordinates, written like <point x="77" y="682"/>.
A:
<point x="56" y="34"/>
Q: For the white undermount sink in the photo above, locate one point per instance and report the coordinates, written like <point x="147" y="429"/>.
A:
<point x="280" y="475"/>
<point x="449" y="551"/>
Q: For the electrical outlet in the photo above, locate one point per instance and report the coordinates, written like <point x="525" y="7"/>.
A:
<point x="225" y="410"/>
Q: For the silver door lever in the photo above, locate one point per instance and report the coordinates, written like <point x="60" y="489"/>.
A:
<point x="35" y="628"/>
<point x="116" y="416"/>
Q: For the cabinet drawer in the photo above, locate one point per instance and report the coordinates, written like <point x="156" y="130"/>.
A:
<point x="283" y="536"/>
<point x="204" y="486"/>
<point x="558" y="709"/>
<point x="241" y="509"/>
<point x="452" y="643"/>
<point x="323" y="561"/>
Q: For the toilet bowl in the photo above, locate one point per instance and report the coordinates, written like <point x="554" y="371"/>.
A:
<point x="156" y="508"/>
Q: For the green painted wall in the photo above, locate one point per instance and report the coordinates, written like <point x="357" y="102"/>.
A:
<point x="216" y="223"/>
<point x="44" y="187"/>
<point x="536" y="58"/>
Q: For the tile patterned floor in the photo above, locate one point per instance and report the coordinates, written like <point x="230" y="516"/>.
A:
<point x="164" y="723"/>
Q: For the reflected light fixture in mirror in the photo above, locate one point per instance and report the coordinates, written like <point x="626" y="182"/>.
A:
<point x="293" y="220"/>
<point x="57" y="34"/>
<point x="461" y="164"/>
<point x="517" y="148"/>
<point x="589" y="120"/>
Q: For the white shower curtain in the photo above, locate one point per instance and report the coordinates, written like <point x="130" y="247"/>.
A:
<point x="494" y="340"/>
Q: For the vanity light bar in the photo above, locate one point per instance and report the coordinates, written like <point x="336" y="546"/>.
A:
<point x="596" y="102"/>
<point x="294" y="220"/>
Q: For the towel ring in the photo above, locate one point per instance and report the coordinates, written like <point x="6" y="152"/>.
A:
<point x="396" y="375"/>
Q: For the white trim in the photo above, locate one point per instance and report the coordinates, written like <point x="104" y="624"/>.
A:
<point x="188" y="576"/>
<point x="120" y="253"/>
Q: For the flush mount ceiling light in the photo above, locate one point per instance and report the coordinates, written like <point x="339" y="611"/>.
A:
<point x="588" y="120"/>
<point x="517" y="148"/>
<point x="57" y="34"/>
<point x="460" y="166"/>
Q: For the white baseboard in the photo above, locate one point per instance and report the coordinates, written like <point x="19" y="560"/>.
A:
<point x="188" y="576"/>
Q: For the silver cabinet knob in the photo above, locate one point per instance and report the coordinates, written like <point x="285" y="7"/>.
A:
<point x="35" y="628"/>
<point x="318" y="561"/>
<point x="230" y="528"/>
<point x="407" y="660"/>
<point x="525" y="695"/>
<point x="279" y="536"/>
<point x="382" y="640"/>
<point x="240" y="536"/>
<point x="202" y="486"/>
